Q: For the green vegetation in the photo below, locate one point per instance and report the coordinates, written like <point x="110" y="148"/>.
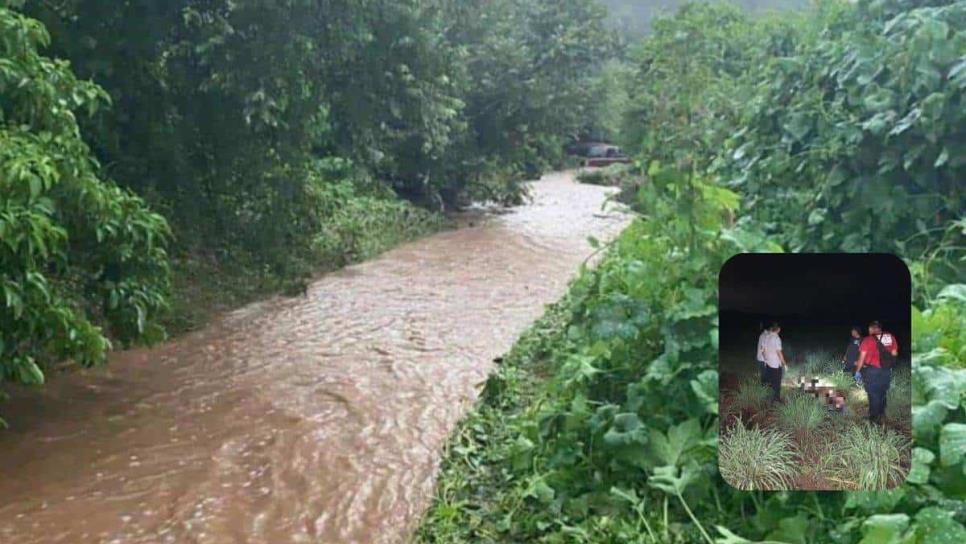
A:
<point x="76" y="251"/>
<point x="272" y="139"/>
<point x="833" y="130"/>
<point x="756" y="459"/>
<point x="866" y="457"/>
<point x="899" y="396"/>
<point x="749" y="399"/>
<point x="801" y="414"/>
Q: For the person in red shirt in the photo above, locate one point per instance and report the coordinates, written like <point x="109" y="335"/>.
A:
<point x="875" y="376"/>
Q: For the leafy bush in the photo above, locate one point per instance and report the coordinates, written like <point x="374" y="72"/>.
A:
<point x="756" y="459"/>
<point x="613" y="175"/>
<point x="232" y="96"/>
<point x="867" y="457"/>
<point x="360" y="226"/>
<point x="75" y="250"/>
<point x="854" y="141"/>
<point x="940" y="330"/>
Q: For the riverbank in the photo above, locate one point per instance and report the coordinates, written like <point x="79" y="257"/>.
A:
<point x="204" y="286"/>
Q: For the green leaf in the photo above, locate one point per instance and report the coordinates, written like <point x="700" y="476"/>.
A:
<point x="952" y="444"/>
<point x="935" y="525"/>
<point x="874" y="501"/>
<point x="921" y="459"/>
<point x="792" y="529"/>
<point x="884" y="529"/>
<point x="953" y="292"/>
<point x="727" y="537"/>
<point x="705" y="387"/>
<point x="670" y="449"/>
<point x="926" y="420"/>
<point x="672" y="481"/>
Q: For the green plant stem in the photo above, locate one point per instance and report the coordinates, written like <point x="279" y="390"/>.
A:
<point x="684" y="503"/>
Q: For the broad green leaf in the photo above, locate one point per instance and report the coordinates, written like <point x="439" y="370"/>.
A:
<point x="952" y="444"/>
<point x="884" y="529"/>
<point x="935" y="525"/>
<point x="921" y="459"/>
<point x="705" y="387"/>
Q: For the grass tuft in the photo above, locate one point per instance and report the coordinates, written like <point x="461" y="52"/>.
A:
<point x="801" y="413"/>
<point x="866" y="457"/>
<point x="753" y="459"/>
<point x="750" y="396"/>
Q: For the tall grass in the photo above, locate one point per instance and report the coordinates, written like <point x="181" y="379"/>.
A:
<point x="750" y="396"/>
<point x="753" y="458"/>
<point x="801" y="413"/>
<point x="819" y="362"/>
<point x="866" y="457"/>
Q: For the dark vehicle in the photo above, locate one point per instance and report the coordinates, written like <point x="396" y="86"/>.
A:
<point x="582" y="149"/>
<point x="605" y="155"/>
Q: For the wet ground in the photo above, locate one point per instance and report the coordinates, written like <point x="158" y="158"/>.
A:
<point x="310" y="419"/>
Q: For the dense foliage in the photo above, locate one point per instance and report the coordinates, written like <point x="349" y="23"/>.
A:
<point x="220" y="105"/>
<point x="602" y="424"/>
<point x="860" y="134"/>
<point x="74" y="248"/>
<point x="275" y="137"/>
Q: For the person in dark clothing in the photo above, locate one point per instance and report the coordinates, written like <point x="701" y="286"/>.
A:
<point x="852" y="351"/>
<point x="876" y="376"/>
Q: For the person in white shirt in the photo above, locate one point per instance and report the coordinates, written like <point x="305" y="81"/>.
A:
<point x="760" y="355"/>
<point x="774" y="361"/>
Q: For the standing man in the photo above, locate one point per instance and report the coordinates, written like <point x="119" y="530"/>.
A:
<point x="852" y="351"/>
<point x="774" y="361"/>
<point x="877" y="355"/>
<point x="761" y="355"/>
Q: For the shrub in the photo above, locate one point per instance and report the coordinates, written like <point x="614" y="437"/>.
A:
<point x="76" y="252"/>
<point x="866" y="457"/>
<point x="614" y="175"/>
<point x="756" y="459"/>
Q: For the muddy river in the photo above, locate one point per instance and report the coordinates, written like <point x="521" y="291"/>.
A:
<point x="309" y="419"/>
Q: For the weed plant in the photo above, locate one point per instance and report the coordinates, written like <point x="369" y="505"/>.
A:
<point x="801" y="414"/>
<point x="757" y="459"/>
<point x="839" y="380"/>
<point x="819" y="363"/>
<point x="866" y="457"/>
<point x="751" y="396"/>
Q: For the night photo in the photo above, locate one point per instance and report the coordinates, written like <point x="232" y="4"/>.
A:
<point x="814" y="371"/>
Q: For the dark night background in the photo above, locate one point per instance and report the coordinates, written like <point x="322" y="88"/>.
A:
<point x="815" y="297"/>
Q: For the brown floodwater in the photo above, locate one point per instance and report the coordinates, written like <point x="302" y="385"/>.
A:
<point x="310" y="419"/>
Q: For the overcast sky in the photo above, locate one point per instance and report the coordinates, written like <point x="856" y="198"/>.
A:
<point x="635" y="15"/>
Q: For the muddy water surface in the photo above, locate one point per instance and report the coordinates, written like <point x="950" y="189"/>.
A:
<point x="311" y="419"/>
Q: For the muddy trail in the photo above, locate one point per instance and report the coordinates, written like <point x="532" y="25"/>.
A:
<point x="310" y="419"/>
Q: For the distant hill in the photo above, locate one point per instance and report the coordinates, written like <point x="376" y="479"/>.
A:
<point x="634" y="16"/>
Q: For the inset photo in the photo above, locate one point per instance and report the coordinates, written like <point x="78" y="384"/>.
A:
<point x="815" y="372"/>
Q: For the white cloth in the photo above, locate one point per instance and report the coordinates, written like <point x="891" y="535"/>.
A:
<point x="761" y="345"/>
<point x="773" y="344"/>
